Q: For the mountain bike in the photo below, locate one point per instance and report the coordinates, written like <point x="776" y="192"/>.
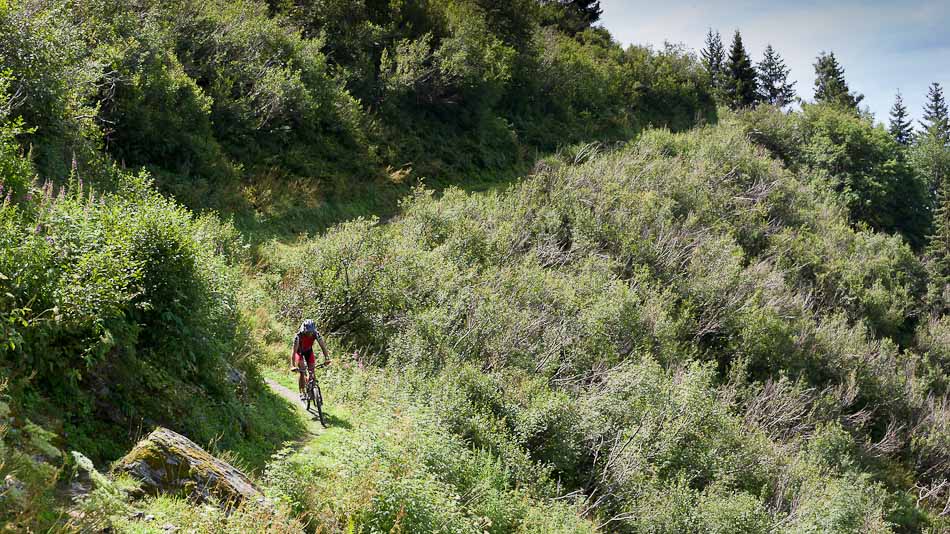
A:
<point x="312" y="395"/>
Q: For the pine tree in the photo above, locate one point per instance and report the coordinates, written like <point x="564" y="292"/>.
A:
<point x="830" y="85"/>
<point x="714" y="57"/>
<point x="901" y="127"/>
<point x="740" y="84"/>
<point x="936" y="121"/>
<point x="938" y="252"/>
<point x="571" y="16"/>
<point x="774" y="87"/>
<point x="589" y="10"/>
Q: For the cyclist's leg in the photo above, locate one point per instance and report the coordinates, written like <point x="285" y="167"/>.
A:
<point x="311" y="362"/>
<point x="301" y="378"/>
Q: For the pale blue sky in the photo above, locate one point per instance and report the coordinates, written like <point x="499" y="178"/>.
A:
<point x="883" y="46"/>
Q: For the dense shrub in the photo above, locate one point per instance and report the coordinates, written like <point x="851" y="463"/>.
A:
<point x="403" y="469"/>
<point x="205" y="94"/>
<point x="110" y="300"/>
<point x="853" y="160"/>
<point x="681" y="328"/>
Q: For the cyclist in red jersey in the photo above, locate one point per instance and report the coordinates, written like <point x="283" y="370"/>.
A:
<point x="303" y="352"/>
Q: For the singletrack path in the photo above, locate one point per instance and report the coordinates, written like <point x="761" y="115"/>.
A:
<point x="293" y="397"/>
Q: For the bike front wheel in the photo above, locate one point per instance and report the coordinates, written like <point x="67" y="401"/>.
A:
<point x="309" y="393"/>
<point x="318" y="400"/>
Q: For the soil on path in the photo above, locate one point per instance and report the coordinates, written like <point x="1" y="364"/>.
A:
<point x="285" y="392"/>
<point x="294" y="398"/>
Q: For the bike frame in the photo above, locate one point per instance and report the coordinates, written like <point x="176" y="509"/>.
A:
<point x="311" y="388"/>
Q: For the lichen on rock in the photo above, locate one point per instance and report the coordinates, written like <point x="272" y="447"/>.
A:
<point x="166" y="462"/>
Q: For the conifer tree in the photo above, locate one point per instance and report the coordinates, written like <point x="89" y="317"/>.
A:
<point x="571" y="16"/>
<point x="774" y="86"/>
<point x="714" y="58"/>
<point x="938" y="252"/>
<point x="830" y="85"/>
<point x="936" y="121"/>
<point x="931" y="151"/>
<point x="901" y="127"/>
<point x="589" y="10"/>
<point x="740" y="84"/>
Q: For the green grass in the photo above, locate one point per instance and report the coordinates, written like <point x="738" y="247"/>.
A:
<point x="289" y="211"/>
<point x="273" y="422"/>
<point x="156" y="515"/>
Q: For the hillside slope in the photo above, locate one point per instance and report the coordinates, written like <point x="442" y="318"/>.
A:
<point x="147" y="148"/>
<point x="670" y="325"/>
<point x="680" y="335"/>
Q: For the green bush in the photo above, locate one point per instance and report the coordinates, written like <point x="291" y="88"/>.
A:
<point x="850" y="158"/>
<point x="110" y="299"/>
<point x="737" y="512"/>
<point x="405" y="468"/>
<point x="677" y="316"/>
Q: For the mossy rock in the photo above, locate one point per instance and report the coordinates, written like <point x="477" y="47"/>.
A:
<point x="168" y="463"/>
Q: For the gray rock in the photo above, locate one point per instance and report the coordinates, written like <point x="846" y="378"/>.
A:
<point x="237" y="378"/>
<point x="168" y="463"/>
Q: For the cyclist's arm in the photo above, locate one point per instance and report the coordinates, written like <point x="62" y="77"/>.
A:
<point x="323" y="347"/>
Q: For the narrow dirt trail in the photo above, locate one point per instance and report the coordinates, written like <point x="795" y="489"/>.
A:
<point x="285" y="392"/>
<point x="313" y="423"/>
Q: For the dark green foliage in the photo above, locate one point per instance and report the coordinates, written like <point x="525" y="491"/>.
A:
<point x="830" y="85"/>
<point x="192" y="93"/>
<point x="713" y="58"/>
<point x="774" y="86"/>
<point x="713" y="55"/>
<point x="16" y="173"/>
<point x="936" y="122"/>
<point x="740" y="85"/>
<point x="50" y="89"/>
<point x="931" y="152"/>
<point x="570" y="16"/>
<point x="111" y="300"/>
<point x="211" y="95"/>
<point x="669" y="87"/>
<point x="938" y="252"/>
<point x="861" y="164"/>
<point x="930" y="157"/>
<point x="572" y="96"/>
<point x="901" y="127"/>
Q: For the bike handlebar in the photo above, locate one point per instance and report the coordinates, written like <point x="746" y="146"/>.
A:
<point x="299" y="370"/>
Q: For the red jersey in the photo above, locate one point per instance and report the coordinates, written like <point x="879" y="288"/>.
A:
<point x="305" y="343"/>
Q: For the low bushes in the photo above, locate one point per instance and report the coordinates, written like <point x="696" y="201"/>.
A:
<point x="627" y="324"/>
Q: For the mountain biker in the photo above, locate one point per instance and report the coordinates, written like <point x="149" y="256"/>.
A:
<point x="303" y="352"/>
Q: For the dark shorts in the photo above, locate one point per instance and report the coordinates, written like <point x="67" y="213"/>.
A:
<point x="307" y="356"/>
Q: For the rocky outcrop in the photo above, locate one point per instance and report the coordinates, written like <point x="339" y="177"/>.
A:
<point x="168" y="463"/>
